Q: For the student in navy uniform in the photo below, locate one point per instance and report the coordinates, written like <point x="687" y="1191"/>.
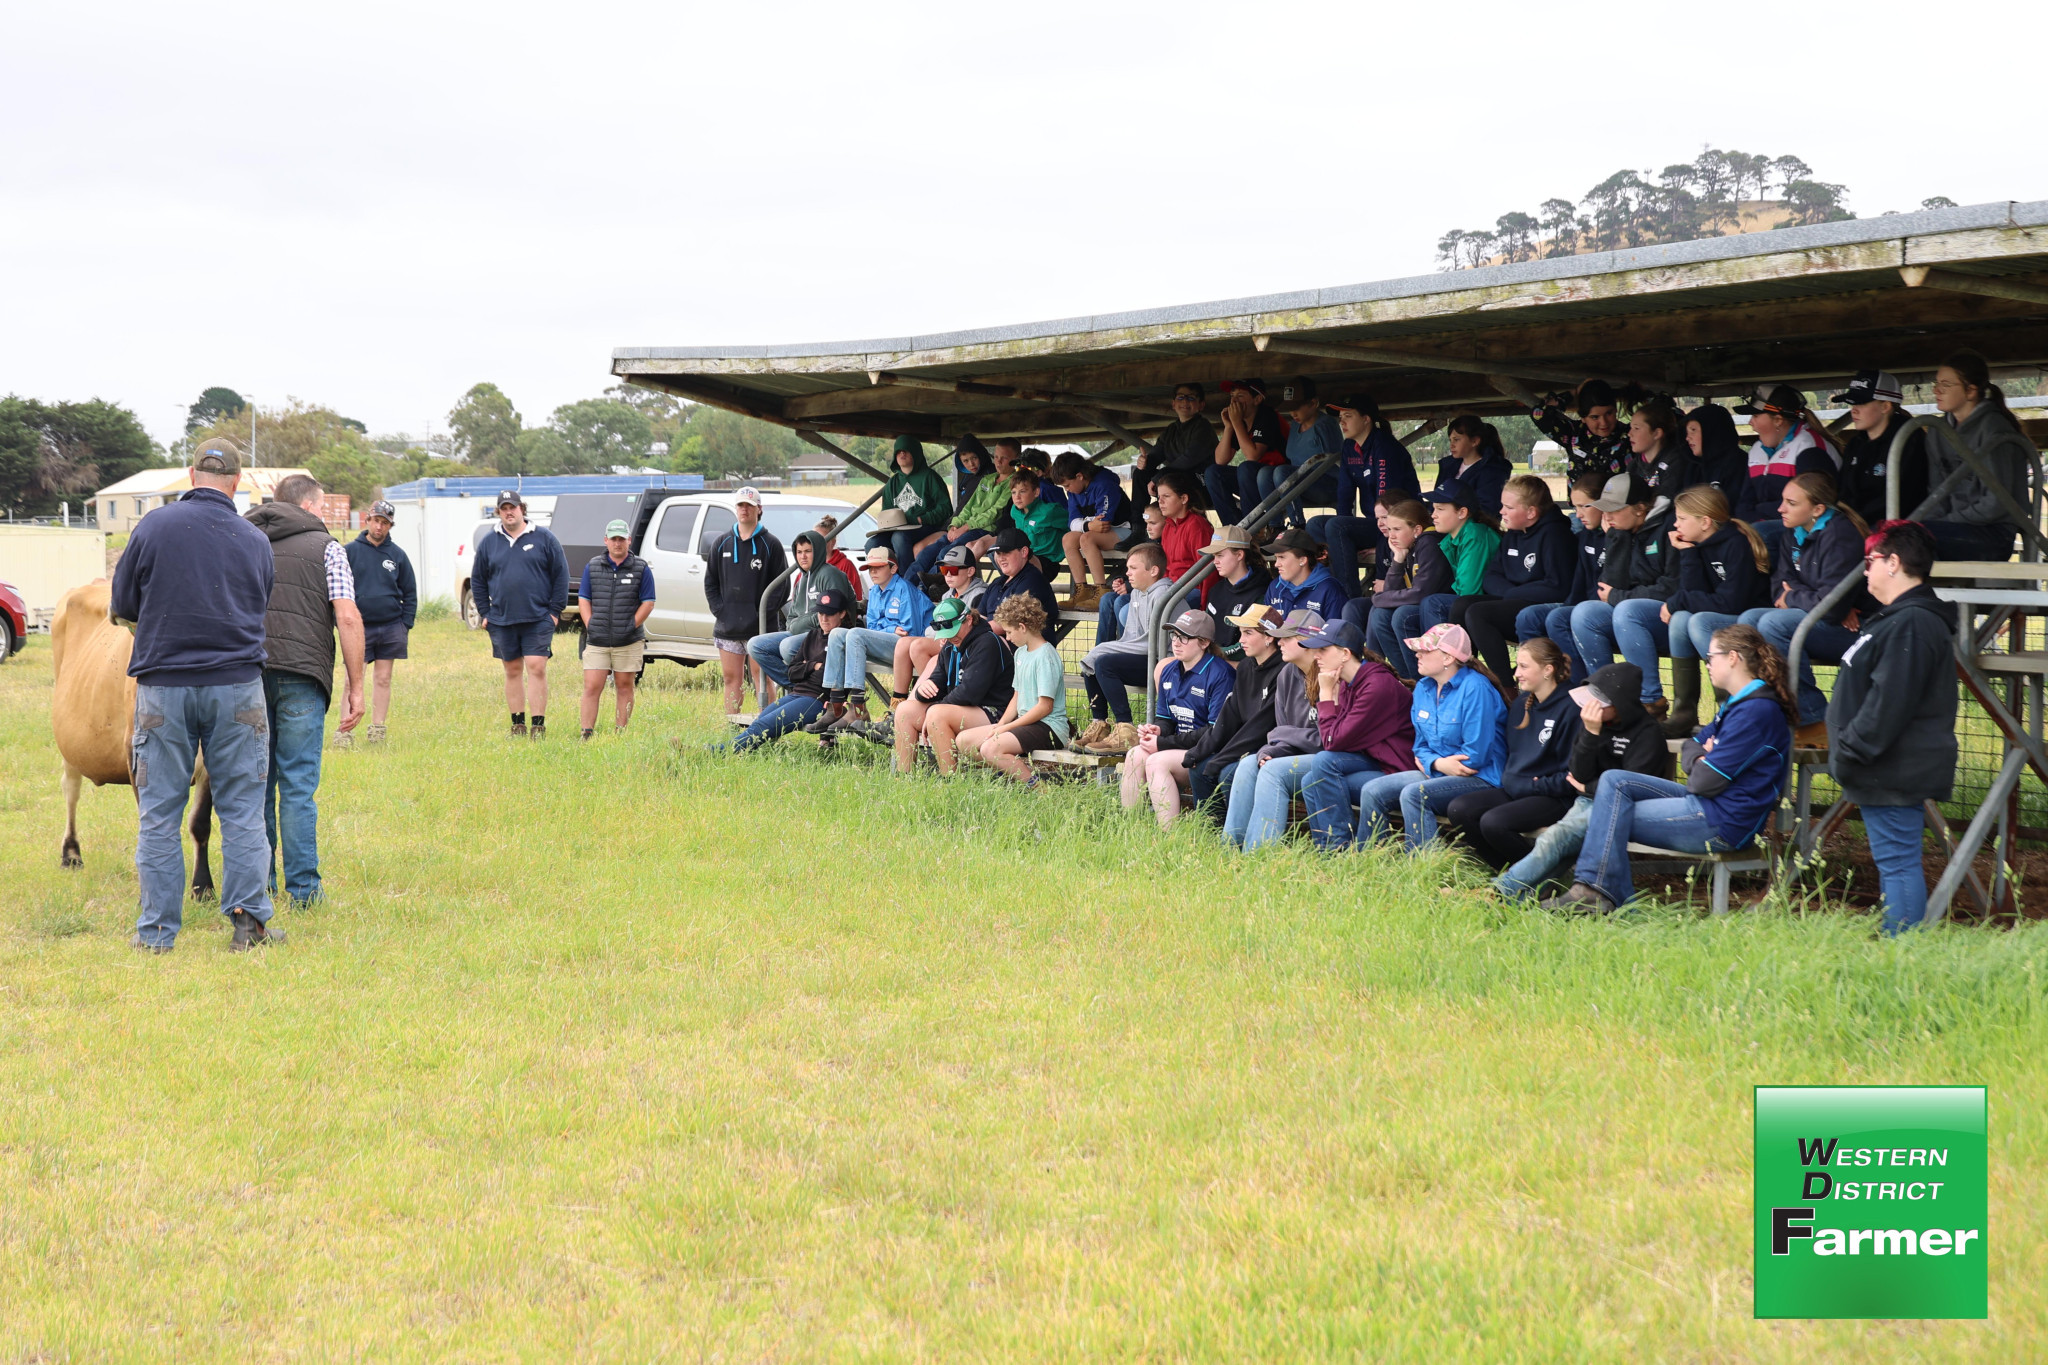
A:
<point x="520" y="583"/>
<point x="1823" y="544"/>
<point x="1717" y="454"/>
<point x="1542" y="726"/>
<point x="1723" y="571"/>
<point x="1416" y="569"/>
<point x="1532" y="568"/>
<point x="1478" y="463"/>
<point x="1639" y="564"/>
<point x="1016" y="574"/>
<point x="1589" y="556"/>
<point x="1658" y="454"/>
<point x="1244" y="723"/>
<point x="1253" y="429"/>
<point x="388" y="599"/>
<point x="1877" y="410"/>
<point x="615" y="598"/>
<point x="738" y="569"/>
<point x="1789" y="441"/>
<point x="1299" y="582"/>
<point x="1193" y="687"/>
<point x="1098" y="519"/>
<point x="1375" y="466"/>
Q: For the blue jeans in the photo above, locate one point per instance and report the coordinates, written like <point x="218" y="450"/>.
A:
<point x="1649" y="810"/>
<point x="1692" y="632"/>
<point x="1534" y="623"/>
<point x="1329" y="789"/>
<point x="1387" y="631"/>
<point x="1260" y="796"/>
<point x="1642" y="637"/>
<point x="848" y="652"/>
<point x="927" y="560"/>
<point x="783" y="715"/>
<point x="1555" y="848"/>
<point x="1961" y="540"/>
<point x="1422" y="801"/>
<point x="172" y="725"/>
<point x="1109" y="615"/>
<point x="1895" y="846"/>
<point x="1824" y="642"/>
<point x="773" y="652"/>
<point x="291" y="817"/>
<point x="1770" y="530"/>
<point x="1379" y="799"/>
<point x="1321" y="493"/>
<point x="1234" y="489"/>
<point x="1436" y="609"/>
<point x="1344" y="537"/>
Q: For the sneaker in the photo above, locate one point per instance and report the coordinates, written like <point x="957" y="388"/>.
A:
<point x="1097" y="731"/>
<point x="1121" y="739"/>
<point x="1812" y="735"/>
<point x="519" y="730"/>
<point x="375" y="735"/>
<point x="140" y="945"/>
<point x="251" y="932"/>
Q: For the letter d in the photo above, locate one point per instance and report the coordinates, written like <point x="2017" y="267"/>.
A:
<point x="1782" y="1231"/>
<point x="1827" y="1183"/>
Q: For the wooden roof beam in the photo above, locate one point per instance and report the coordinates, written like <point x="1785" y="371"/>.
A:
<point x="1929" y="277"/>
<point x="1377" y="355"/>
<point x="977" y="389"/>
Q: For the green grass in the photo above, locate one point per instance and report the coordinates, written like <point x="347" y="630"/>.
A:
<point x="617" y="1052"/>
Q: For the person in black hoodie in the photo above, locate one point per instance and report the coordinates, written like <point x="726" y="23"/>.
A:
<point x="804" y="699"/>
<point x="1718" y="458"/>
<point x="1542" y="727"/>
<point x="1658" y="453"/>
<point x="741" y="565"/>
<point x="1553" y="620"/>
<point x="1822" y="545"/>
<point x="1876" y="412"/>
<point x="1723" y="571"/>
<point x="1533" y="569"/>
<point x="1240" y="728"/>
<point x="1478" y="463"/>
<point x="1639" y="565"/>
<point x="1240" y="581"/>
<point x="966" y="684"/>
<point x="1893" y="717"/>
<point x="1614" y="732"/>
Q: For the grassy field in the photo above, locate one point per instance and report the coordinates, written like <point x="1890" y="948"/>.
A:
<point x="624" y="1052"/>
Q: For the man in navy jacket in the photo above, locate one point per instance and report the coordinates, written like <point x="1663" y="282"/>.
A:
<point x="520" y="582"/>
<point x="388" y="598"/>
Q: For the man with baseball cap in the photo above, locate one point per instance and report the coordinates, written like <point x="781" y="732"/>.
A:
<point x="1877" y="410"/>
<point x="388" y="599"/>
<point x="967" y="684"/>
<point x="1252" y="428"/>
<point x="520" y="583"/>
<point x="1016" y="573"/>
<point x="614" y="597"/>
<point x="738" y="568"/>
<point x="1374" y="465"/>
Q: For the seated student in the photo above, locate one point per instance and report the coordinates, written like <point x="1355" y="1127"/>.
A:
<point x="1098" y="519"/>
<point x="1113" y="665"/>
<point x="895" y="609"/>
<point x="1250" y="427"/>
<point x="1542" y="726"/>
<point x="1658" y="453"/>
<point x="1789" y="441"/>
<point x="1043" y="523"/>
<point x="1415" y="569"/>
<point x="1459" y="712"/>
<point x="1470" y="541"/>
<point x="915" y="490"/>
<point x="1188" y="444"/>
<point x="980" y="515"/>
<point x="1193" y="686"/>
<point x="1532" y="570"/>
<point x="1016" y="575"/>
<point x="1594" y="443"/>
<point x="1113" y="609"/>
<point x="1823" y="544"/>
<point x="1877" y="409"/>
<point x="963" y="687"/>
<point x="1375" y="467"/>
<point x="1264" y="786"/>
<point x="1615" y="732"/>
<point x="1718" y="458"/>
<point x="1893" y="716"/>
<point x="1588" y="558"/>
<point x="1245" y="721"/>
<point x="1364" y="726"/>
<point x="1036" y="715"/>
<point x="1185" y="531"/>
<point x="1969" y="521"/>
<point x="1723" y="571"/>
<point x="1240" y="581"/>
<point x="803" y="695"/>
<point x="1311" y="434"/>
<point x="1733" y="785"/>
<point x="825" y="527"/>
<point x="1299" y="581"/>
<point x="813" y="574"/>
<point x="1478" y="464"/>
<point x="1639" y="565"/>
<point x="960" y="573"/>
<point x="1040" y="463"/>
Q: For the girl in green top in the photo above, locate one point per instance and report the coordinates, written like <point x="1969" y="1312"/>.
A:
<point x="1471" y="537"/>
<point x="1036" y="717"/>
<point x="920" y="495"/>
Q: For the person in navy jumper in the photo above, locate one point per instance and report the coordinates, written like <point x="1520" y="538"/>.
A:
<point x="1735" y="780"/>
<point x="1478" y="463"/>
<point x="1098" y="519"/>
<point x="1298" y="581"/>
<point x="195" y="582"/>
<point x="1822" y="545"/>
<point x="388" y="598"/>
<point x="1373" y="466"/>
<point x="1723" y="571"/>
<point x="1532" y="569"/>
<point x="520" y="583"/>
<point x="1542" y="726"/>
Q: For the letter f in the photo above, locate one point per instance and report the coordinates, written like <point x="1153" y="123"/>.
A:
<point x="1782" y="1231"/>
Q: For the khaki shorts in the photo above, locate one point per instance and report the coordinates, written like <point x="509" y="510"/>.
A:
<point x="617" y="659"/>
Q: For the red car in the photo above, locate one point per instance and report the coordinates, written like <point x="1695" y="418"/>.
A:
<point x="13" y="622"/>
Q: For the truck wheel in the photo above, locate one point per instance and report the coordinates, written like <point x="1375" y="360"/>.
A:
<point x="6" y="639"/>
<point x="470" y="616"/>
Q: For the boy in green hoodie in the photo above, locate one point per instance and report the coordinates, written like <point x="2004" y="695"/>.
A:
<point x="919" y="494"/>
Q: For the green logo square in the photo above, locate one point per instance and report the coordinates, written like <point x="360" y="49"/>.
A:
<point x="1871" y="1201"/>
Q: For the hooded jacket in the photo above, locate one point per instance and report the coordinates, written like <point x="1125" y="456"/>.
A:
<point x="1722" y="463"/>
<point x="736" y="572"/>
<point x="973" y="669"/>
<point x="1753" y="750"/>
<point x="1424" y="572"/>
<point x="1294" y="717"/>
<point x="1463" y="716"/>
<point x="984" y="507"/>
<point x="1137" y="635"/>
<point x="1866" y="464"/>
<point x="1892" y="719"/>
<point x="518" y="582"/>
<point x="1808" y="569"/>
<point x="1990" y="431"/>
<point x="1367" y="473"/>
<point x="800" y="612"/>
<point x="1535" y="565"/>
<point x="1245" y="720"/>
<point x="1772" y="467"/>
<point x="920" y="494"/>
<point x="1632" y="742"/>
<point x="1589" y="556"/>
<point x="298" y="629"/>
<point x="1319" y="593"/>
<point x="1539" y="751"/>
<point x="1190" y="699"/>
<point x="1471" y="553"/>
<point x="1223" y="599"/>
<point x="1719" y="575"/>
<point x="1370" y="716"/>
<point x="1482" y="482"/>
<point x="1666" y="472"/>
<point x="386" y="590"/>
<point x="1641" y="563"/>
<point x="1100" y="499"/>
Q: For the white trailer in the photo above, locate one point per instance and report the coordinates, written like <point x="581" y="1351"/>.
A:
<point x="439" y="535"/>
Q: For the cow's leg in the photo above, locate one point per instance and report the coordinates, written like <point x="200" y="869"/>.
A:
<point x="202" y="830"/>
<point x="73" y="782"/>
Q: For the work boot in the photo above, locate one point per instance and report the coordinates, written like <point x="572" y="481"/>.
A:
<point x="251" y="932"/>
<point x="853" y="718"/>
<point x="344" y="739"/>
<point x="1812" y="735"/>
<point x="142" y="945"/>
<point x="1685" y="699"/>
<point x="375" y="735"/>
<point x="1097" y="731"/>
<point x="519" y="729"/>
<point x="1121" y="739"/>
<point x="538" y="732"/>
<point x="1580" y="900"/>
<point x="1087" y="597"/>
<point x="827" y="718"/>
<point x="588" y="731"/>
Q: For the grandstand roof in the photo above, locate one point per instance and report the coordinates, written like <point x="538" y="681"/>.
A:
<point x="1810" y="305"/>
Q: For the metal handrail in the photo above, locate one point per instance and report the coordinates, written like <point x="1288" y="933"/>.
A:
<point x="813" y="438"/>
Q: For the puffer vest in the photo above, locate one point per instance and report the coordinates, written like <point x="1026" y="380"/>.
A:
<point x="299" y="627"/>
<point x="614" y="598"/>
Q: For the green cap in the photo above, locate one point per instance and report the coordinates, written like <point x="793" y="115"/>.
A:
<point x="947" y="618"/>
<point x="618" y="528"/>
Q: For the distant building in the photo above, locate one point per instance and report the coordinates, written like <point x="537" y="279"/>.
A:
<point x="122" y="504"/>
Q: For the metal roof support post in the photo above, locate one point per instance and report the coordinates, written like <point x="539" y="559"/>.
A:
<point x="821" y="443"/>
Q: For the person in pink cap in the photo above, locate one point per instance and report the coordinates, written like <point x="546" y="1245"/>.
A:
<point x="1460" y="715"/>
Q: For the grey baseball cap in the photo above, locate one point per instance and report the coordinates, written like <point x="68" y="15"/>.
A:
<point x="217" y="457"/>
<point x="383" y="508"/>
<point x="1195" y="625"/>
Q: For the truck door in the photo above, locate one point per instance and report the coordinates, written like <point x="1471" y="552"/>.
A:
<point x="670" y="549"/>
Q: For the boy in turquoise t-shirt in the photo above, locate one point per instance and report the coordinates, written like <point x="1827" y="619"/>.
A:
<point x="1036" y="717"/>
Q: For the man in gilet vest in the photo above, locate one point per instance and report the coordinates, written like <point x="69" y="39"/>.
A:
<point x="312" y="598"/>
<point x="614" y="599"/>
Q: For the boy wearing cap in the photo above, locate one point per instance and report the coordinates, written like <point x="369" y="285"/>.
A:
<point x="388" y="599"/>
<point x="614" y="598"/>
<point x="1877" y="410"/>
<point x="1299" y="582"/>
<point x="520" y="581"/>
<point x="895" y="609"/>
<point x="1374" y="465"/>
<point x="814" y="573"/>
<point x="963" y="686"/>
<point x="1016" y="574"/>
<point x="1098" y="519"/>
<point x="1113" y="665"/>
<point x="738" y="569"/>
<point x="1311" y="434"/>
<point x="804" y="699"/>
<point x="981" y="514"/>
<point x="964" y="586"/>
<point x="1252" y="428"/>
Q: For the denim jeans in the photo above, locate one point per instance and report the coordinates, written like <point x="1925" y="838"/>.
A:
<point x="784" y="714"/>
<point x="1330" y="788"/>
<point x="1344" y="537"/>
<point x="1556" y="847"/>
<point x="773" y="652"/>
<point x="1379" y="799"/>
<point x="1895" y="834"/>
<point x="1422" y="801"/>
<point x="850" y="649"/>
<point x="172" y="725"/>
<point x="291" y="817"/>
<point x="1321" y="493"/>
<point x="1642" y="637"/>
<point x="1387" y="630"/>
<point x="1692" y="632"/>
<point x="1649" y="810"/>
<point x="1436" y="609"/>
<point x="1769" y="530"/>
<point x="1961" y="540"/>
<point x="1109" y="615"/>
<point x="1556" y="622"/>
<point x="1234" y="489"/>
<point x="927" y="560"/>
<point x="1824" y="642"/>
<point x="1260" y="796"/>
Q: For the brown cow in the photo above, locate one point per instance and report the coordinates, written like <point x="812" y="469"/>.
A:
<point x="92" y="708"/>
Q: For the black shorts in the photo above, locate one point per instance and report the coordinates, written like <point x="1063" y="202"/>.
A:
<point x="1036" y="735"/>
<point x="523" y="640"/>
<point x="384" y="642"/>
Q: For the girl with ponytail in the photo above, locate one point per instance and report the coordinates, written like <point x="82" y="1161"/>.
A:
<point x="1542" y="726"/>
<point x="1478" y="464"/>
<point x="1723" y="571"/>
<point x="1823" y="544"/>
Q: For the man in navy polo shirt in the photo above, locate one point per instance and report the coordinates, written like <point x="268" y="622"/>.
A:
<point x="520" y="580"/>
<point x="388" y="598"/>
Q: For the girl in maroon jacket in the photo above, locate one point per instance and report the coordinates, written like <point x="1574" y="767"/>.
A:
<point x="1362" y="716"/>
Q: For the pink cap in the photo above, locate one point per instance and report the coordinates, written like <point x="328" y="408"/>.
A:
<point x="1446" y="639"/>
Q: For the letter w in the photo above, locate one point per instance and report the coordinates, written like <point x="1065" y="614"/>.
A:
<point x="1816" y="1154"/>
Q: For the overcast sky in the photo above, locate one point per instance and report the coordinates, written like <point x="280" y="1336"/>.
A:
<point x="375" y="205"/>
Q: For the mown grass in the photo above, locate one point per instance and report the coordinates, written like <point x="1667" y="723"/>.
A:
<point x="623" y="1052"/>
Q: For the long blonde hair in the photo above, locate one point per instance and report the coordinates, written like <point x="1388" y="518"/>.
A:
<point x="1705" y="500"/>
<point x="1821" y="489"/>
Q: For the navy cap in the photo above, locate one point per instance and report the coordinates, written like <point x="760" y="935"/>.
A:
<point x="1010" y="539"/>
<point x="1343" y="634"/>
<point x="831" y="602"/>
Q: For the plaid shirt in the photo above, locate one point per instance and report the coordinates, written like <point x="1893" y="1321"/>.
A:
<point x="341" y="581"/>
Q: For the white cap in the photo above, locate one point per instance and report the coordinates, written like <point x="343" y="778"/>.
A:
<point x="747" y="494"/>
